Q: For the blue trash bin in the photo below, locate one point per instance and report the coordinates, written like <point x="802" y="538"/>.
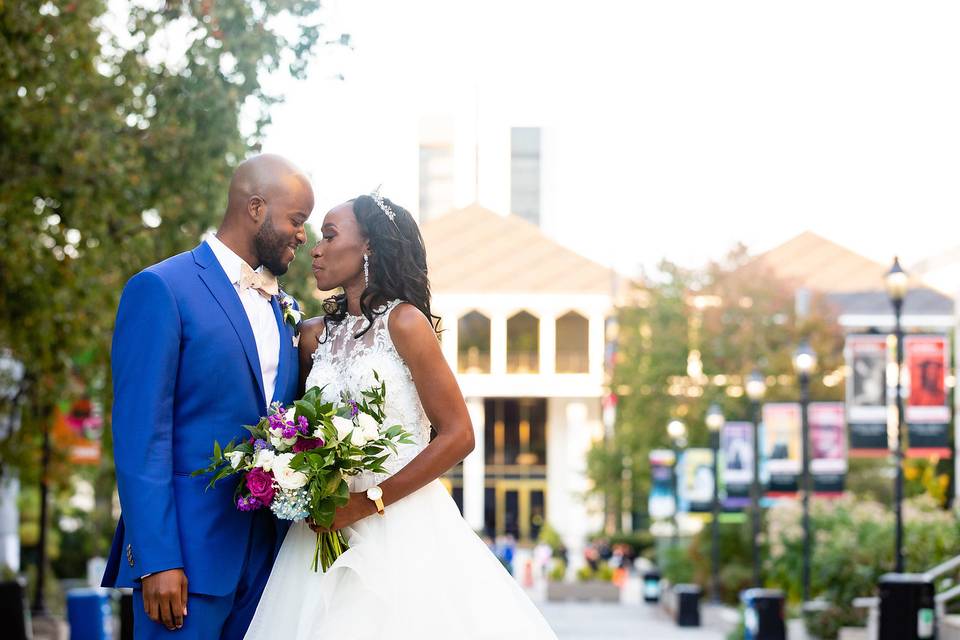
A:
<point x="89" y="614"/>
<point x="763" y="617"/>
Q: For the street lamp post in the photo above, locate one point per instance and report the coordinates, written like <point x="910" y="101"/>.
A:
<point x="897" y="282"/>
<point x="756" y="389"/>
<point x="804" y="361"/>
<point x="715" y="422"/>
<point x="678" y="434"/>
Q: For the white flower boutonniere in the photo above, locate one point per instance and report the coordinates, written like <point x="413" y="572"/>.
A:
<point x="291" y="314"/>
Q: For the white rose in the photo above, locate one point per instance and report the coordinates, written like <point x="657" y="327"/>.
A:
<point x="264" y="459"/>
<point x="278" y="443"/>
<point x="235" y="458"/>
<point x="344" y="427"/>
<point x="286" y="477"/>
<point x="369" y="426"/>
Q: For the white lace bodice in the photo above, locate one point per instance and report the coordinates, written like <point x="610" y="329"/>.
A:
<point x="345" y="364"/>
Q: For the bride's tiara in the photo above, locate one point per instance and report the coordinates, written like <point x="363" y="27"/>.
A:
<point x="387" y="211"/>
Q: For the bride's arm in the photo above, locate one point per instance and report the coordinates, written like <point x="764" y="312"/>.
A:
<point x="443" y="402"/>
<point x="310" y="332"/>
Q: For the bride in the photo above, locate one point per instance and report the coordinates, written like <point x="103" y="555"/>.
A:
<point x="414" y="568"/>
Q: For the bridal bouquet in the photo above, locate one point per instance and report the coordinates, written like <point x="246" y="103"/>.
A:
<point x="296" y="459"/>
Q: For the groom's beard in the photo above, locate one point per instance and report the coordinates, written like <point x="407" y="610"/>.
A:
<point x="270" y="247"/>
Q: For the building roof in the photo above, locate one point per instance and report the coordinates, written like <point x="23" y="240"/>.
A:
<point x="853" y="282"/>
<point x="813" y="262"/>
<point x="474" y="250"/>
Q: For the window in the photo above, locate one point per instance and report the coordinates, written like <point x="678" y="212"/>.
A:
<point x="573" y="350"/>
<point x="473" y="343"/>
<point x="523" y="343"/>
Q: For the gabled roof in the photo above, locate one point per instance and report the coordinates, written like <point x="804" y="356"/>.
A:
<point x="813" y="262"/>
<point x="474" y="250"/>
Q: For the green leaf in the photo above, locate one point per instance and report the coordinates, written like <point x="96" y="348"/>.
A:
<point x="307" y="410"/>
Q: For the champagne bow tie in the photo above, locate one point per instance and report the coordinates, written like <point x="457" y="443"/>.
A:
<point x="263" y="281"/>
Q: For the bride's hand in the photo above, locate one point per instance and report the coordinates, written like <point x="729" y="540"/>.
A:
<point x="357" y="508"/>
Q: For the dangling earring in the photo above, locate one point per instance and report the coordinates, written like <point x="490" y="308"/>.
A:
<point x="366" y="271"/>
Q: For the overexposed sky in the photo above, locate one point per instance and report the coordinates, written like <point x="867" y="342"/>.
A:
<point x="678" y="128"/>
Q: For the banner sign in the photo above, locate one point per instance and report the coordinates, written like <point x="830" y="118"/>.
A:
<point x="736" y="446"/>
<point x="866" y="358"/>
<point x="927" y="412"/>
<point x="781" y="447"/>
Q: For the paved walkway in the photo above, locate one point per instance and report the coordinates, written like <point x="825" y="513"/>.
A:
<point x="601" y="621"/>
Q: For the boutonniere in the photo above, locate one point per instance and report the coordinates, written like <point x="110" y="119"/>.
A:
<point x="291" y="314"/>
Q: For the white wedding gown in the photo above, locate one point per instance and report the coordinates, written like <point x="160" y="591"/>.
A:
<point x="418" y="571"/>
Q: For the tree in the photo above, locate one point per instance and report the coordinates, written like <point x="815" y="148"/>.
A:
<point x="114" y="154"/>
<point x="690" y="342"/>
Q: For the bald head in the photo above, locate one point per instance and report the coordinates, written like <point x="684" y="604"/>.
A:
<point x="266" y="175"/>
<point x="268" y="204"/>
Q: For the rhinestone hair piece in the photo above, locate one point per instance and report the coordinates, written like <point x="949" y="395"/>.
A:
<point x="383" y="205"/>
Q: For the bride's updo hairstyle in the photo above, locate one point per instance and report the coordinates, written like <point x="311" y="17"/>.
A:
<point x="398" y="263"/>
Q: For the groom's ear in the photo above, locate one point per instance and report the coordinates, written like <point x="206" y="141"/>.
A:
<point x="256" y="208"/>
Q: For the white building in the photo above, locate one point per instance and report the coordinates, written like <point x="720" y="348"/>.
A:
<point x="524" y="330"/>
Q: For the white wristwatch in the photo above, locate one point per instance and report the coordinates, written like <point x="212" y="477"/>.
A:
<point x="376" y="494"/>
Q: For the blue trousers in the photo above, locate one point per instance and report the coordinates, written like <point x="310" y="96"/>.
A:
<point x="224" y="617"/>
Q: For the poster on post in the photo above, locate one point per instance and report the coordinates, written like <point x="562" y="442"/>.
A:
<point x="781" y="447"/>
<point x="828" y="447"/>
<point x="927" y="412"/>
<point x="696" y="480"/>
<point x="736" y="446"/>
<point x="866" y="394"/>
<point x="662" y="502"/>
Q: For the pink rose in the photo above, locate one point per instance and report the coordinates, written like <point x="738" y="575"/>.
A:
<point x="305" y="444"/>
<point x="260" y="483"/>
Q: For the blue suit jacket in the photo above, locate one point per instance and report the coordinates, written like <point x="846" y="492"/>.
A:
<point x="185" y="373"/>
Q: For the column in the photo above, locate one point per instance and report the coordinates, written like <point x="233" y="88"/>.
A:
<point x="473" y="469"/>
<point x="498" y="344"/>
<point x="548" y="345"/>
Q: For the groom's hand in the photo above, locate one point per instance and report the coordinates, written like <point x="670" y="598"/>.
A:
<point x="165" y="597"/>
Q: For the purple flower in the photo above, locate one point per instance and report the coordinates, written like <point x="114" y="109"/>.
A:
<point x="289" y="432"/>
<point x="259" y="444"/>
<point x="303" y="424"/>
<point x="260" y="484"/>
<point x="276" y="422"/>
<point x="305" y="444"/>
<point x="354" y="409"/>
<point x="248" y="503"/>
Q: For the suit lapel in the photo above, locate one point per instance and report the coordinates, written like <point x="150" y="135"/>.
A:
<point x="226" y="295"/>
<point x="286" y="344"/>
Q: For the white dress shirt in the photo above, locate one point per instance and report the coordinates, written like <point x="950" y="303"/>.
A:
<point x="259" y="313"/>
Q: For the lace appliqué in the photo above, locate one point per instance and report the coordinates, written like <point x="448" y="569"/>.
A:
<point x="343" y="364"/>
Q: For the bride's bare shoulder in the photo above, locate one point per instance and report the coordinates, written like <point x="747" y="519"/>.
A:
<point x="311" y="330"/>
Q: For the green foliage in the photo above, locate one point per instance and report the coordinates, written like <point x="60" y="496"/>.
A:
<point x="737" y="315"/>
<point x="558" y="570"/>
<point x="676" y="565"/>
<point x="116" y="154"/>
<point x="853" y="546"/>
<point x="736" y="569"/>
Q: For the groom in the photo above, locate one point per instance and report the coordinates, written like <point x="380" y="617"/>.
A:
<point x="200" y="348"/>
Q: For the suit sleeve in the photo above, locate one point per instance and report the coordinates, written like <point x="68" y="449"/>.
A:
<point x="145" y="359"/>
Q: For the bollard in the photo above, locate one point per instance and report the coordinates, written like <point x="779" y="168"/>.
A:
<point x="763" y="617"/>
<point x="126" y="614"/>
<point x="651" y="586"/>
<point x="688" y="604"/>
<point x="13" y="610"/>
<point x="89" y="614"/>
<point x="907" y="609"/>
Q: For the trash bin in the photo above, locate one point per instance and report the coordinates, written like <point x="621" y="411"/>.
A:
<point x="651" y="586"/>
<point x="763" y="614"/>
<point x="13" y="610"/>
<point x="907" y="609"/>
<point x="688" y="604"/>
<point x="89" y="614"/>
<point x="126" y="614"/>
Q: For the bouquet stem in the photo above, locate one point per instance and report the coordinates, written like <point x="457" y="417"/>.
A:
<point x="330" y="546"/>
